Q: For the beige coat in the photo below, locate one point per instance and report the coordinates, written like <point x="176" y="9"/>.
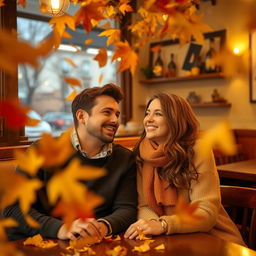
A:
<point x="205" y="191"/>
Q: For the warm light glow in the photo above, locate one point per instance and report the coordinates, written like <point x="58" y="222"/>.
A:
<point x="55" y="4"/>
<point x="165" y="17"/>
<point x="54" y="7"/>
<point x="236" y="51"/>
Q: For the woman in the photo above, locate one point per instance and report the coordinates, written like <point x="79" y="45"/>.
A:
<point x="170" y="167"/>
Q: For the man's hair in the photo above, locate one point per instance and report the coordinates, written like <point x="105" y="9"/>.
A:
<point x="86" y="99"/>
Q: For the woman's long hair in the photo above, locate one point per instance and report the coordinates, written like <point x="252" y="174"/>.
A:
<point x="183" y="127"/>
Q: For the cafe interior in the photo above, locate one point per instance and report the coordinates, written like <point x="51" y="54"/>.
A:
<point x="211" y="63"/>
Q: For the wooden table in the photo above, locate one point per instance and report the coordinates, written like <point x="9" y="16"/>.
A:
<point x="243" y="170"/>
<point x="197" y="244"/>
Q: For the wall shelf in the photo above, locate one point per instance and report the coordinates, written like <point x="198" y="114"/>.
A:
<point x="182" y="78"/>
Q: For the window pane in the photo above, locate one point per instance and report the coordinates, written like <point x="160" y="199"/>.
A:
<point x="45" y="89"/>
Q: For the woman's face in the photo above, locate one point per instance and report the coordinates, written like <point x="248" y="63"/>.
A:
<point x="155" y="123"/>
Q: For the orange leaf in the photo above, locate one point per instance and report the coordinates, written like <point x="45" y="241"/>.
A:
<point x="15" y="115"/>
<point x="88" y="41"/>
<point x="90" y="10"/>
<point x="101" y="57"/>
<point x="22" y="3"/>
<point x="71" y="96"/>
<point x="129" y="58"/>
<point x="61" y="22"/>
<point x="186" y="212"/>
<point x="2" y="3"/>
<point x="117" y="251"/>
<point x="100" y="79"/>
<point x="38" y="241"/>
<point x="82" y="242"/>
<point x="113" y="35"/>
<point x="73" y="81"/>
<point x="69" y="61"/>
<point x="156" y="48"/>
<point x="123" y="8"/>
<point x="144" y="247"/>
<point x="142" y="236"/>
<point x="55" y="150"/>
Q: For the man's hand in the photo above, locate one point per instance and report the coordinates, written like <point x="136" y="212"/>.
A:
<point x="89" y="227"/>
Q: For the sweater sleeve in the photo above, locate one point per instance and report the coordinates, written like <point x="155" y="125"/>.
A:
<point x="125" y="203"/>
<point x="206" y="192"/>
<point x="144" y="211"/>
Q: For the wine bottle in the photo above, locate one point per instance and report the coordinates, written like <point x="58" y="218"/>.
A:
<point x="172" y="68"/>
<point x="158" y="68"/>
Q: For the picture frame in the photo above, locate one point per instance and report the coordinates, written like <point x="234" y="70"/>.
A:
<point x="185" y="53"/>
<point x="252" y="71"/>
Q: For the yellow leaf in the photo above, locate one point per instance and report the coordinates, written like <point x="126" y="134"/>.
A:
<point x="219" y="137"/>
<point x="61" y="22"/>
<point x="23" y="189"/>
<point x="129" y="58"/>
<point x="29" y="161"/>
<point x="88" y="41"/>
<point x="73" y="81"/>
<point x="100" y="79"/>
<point x="113" y="35"/>
<point x="55" y="150"/>
<point x="6" y="223"/>
<point x="142" y="236"/>
<point x="82" y="242"/>
<point x="71" y="176"/>
<point x="160" y="247"/>
<point x="31" y="222"/>
<point x="143" y="248"/>
<point x="186" y="212"/>
<point x="69" y="61"/>
<point x="101" y="57"/>
<point x="71" y="96"/>
<point x="38" y="241"/>
<point x="123" y="8"/>
<point x="110" y="11"/>
<point x="117" y="251"/>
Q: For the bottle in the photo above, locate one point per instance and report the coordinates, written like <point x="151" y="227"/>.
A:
<point x="210" y="65"/>
<point x="171" y="72"/>
<point x="158" y="68"/>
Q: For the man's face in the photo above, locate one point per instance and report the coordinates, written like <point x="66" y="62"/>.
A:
<point x="103" y="122"/>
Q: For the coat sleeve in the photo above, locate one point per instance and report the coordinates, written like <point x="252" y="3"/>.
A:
<point x="206" y="192"/>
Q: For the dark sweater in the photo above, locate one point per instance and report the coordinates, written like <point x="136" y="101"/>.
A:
<point x="118" y="188"/>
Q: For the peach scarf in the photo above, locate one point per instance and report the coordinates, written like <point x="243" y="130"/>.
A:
<point x="157" y="192"/>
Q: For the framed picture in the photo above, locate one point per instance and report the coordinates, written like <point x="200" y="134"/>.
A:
<point x="185" y="54"/>
<point x="252" y="45"/>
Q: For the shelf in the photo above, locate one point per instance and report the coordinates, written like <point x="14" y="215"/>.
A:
<point x="204" y="105"/>
<point x="181" y="78"/>
<point x="211" y="105"/>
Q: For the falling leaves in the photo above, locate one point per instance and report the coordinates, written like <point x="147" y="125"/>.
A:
<point x="60" y="23"/>
<point x="14" y="52"/>
<point x="88" y="41"/>
<point x="101" y="57"/>
<point x="38" y="241"/>
<point x="71" y="96"/>
<point x="220" y="137"/>
<point x="185" y="212"/>
<point x="70" y="62"/>
<point x="73" y="81"/>
<point x="129" y="58"/>
<point x="112" y="34"/>
<point x="124" y="6"/>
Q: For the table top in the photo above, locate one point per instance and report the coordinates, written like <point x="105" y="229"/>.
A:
<point x="244" y="170"/>
<point x="196" y="244"/>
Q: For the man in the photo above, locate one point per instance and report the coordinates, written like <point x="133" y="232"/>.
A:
<point x="95" y="112"/>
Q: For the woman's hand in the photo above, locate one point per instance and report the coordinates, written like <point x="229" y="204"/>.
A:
<point x="148" y="227"/>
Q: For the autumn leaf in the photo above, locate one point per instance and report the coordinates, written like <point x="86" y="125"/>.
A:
<point x="14" y="52"/>
<point x="2" y="3"/>
<point x="31" y="222"/>
<point x="55" y="150"/>
<point x="141" y="235"/>
<point x="71" y="96"/>
<point x="117" y="251"/>
<point x="6" y="223"/>
<point x="129" y="58"/>
<point x="110" y="11"/>
<point x="218" y="137"/>
<point x="15" y="115"/>
<point x="100" y="79"/>
<point x="29" y="161"/>
<point x="90" y="10"/>
<point x="88" y="41"/>
<point x="73" y="81"/>
<point x="23" y="190"/>
<point x="71" y="62"/>
<point x="113" y="35"/>
<point x="101" y="57"/>
<point x="160" y="247"/>
<point x="61" y="22"/>
<point x="125" y="7"/>
<point x="73" y="190"/>
<point x="82" y="242"/>
<point x="38" y="241"/>
<point x="144" y="247"/>
<point x="22" y="3"/>
<point x="186" y="212"/>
